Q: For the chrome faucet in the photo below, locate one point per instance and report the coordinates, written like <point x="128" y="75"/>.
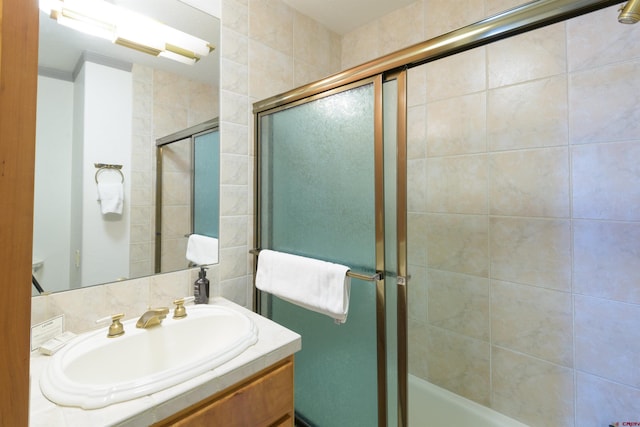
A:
<point x="152" y="317"/>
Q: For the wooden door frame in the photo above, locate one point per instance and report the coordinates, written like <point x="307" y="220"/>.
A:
<point x="18" y="85"/>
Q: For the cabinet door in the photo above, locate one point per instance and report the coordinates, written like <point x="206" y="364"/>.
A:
<point x="266" y="400"/>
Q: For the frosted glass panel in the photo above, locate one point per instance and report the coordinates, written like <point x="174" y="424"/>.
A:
<point x="318" y="201"/>
<point x="206" y="184"/>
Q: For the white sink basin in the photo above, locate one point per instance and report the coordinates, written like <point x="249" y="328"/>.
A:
<point x="94" y="371"/>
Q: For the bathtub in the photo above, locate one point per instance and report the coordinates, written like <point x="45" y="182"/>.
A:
<point x="432" y="406"/>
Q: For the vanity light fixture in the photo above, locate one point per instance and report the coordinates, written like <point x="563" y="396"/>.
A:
<point x="127" y="28"/>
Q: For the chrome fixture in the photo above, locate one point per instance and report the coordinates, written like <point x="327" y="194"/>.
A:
<point x="152" y="317"/>
<point x="630" y="12"/>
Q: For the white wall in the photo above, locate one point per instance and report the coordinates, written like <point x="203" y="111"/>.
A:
<point x="52" y="199"/>
<point x="106" y="132"/>
<point x="212" y="7"/>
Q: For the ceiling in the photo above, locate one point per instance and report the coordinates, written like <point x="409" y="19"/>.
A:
<point x="343" y="16"/>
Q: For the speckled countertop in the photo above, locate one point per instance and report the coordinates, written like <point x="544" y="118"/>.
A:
<point x="274" y="343"/>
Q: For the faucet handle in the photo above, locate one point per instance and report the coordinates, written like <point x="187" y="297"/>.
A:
<point x="181" y="312"/>
<point x="116" y="329"/>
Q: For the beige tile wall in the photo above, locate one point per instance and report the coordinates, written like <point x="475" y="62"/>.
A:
<point x="82" y="307"/>
<point x="267" y="48"/>
<point x="524" y="215"/>
<point x="163" y="103"/>
<point x="176" y="205"/>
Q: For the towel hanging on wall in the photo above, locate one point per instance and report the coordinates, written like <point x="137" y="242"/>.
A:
<point x="316" y="285"/>
<point x="202" y="250"/>
<point x="110" y="194"/>
<point x="111" y="197"/>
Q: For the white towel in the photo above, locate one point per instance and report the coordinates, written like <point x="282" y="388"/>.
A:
<point x="111" y="197"/>
<point x="202" y="250"/>
<point x="316" y="285"/>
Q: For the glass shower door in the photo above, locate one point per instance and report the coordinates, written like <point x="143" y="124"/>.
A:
<point x="206" y="184"/>
<point x="318" y="199"/>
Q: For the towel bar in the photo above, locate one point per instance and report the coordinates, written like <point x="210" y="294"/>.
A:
<point x="103" y="166"/>
<point x="367" y="277"/>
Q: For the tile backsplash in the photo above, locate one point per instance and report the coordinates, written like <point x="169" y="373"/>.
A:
<point x="82" y="307"/>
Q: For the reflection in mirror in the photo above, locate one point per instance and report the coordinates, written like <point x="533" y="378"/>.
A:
<point x="187" y="222"/>
<point x="100" y="102"/>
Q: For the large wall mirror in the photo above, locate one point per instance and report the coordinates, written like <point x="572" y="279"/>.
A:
<point x="101" y="109"/>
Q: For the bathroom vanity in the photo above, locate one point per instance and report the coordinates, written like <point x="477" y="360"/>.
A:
<point x="265" y="399"/>
<point x="259" y="379"/>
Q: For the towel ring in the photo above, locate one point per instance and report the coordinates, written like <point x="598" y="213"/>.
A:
<point x="103" y="168"/>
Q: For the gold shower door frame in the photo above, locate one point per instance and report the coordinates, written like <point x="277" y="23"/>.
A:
<point x="381" y="307"/>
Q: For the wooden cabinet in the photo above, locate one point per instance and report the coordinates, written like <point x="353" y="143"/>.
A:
<point x="265" y="399"/>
